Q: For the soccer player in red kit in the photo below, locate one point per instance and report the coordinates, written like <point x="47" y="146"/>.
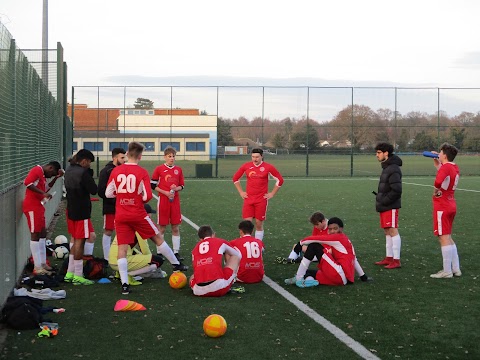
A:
<point x="445" y="209"/>
<point x="210" y="278"/>
<point x="336" y="265"/>
<point x="130" y="184"/>
<point x="37" y="190"/>
<point x="256" y="195"/>
<point x="168" y="180"/>
<point x="251" y="265"/>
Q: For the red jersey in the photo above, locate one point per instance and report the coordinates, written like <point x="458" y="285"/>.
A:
<point x="257" y="178"/>
<point x="446" y="180"/>
<point x="130" y="184"/>
<point x="168" y="176"/>
<point x="317" y="231"/>
<point x="341" y="249"/>
<point x="35" y="177"/>
<point x="251" y="265"/>
<point x="207" y="259"/>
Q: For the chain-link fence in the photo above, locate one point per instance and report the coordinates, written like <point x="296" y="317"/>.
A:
<point x="34" y="129"/>
<point x="306" y="131"/>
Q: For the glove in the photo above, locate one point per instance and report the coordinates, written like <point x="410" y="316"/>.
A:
<point x="153" y="184"/>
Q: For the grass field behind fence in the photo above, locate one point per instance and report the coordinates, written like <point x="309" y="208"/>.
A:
<point x="318" y="165"/>
<point x="402" y="314"/>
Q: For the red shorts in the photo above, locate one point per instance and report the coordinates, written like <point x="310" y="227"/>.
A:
<point x="36" y="219"/>
<point x="389" y="219"/>
<point x="80" y="229"/>
<point x="329" y="272"/>
<point x="169" y="212"/>
<point x="109" y="222"/>
<point x="255" y="208"/>
<point x="216" y="288"/>
<point x="443" y="220"/>
<point x="126" y="230"/>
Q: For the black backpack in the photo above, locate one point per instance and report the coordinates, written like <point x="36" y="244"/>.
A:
<point x="22" y="313"/>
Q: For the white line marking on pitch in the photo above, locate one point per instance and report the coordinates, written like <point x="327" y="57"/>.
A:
<point x="358" y="348"/>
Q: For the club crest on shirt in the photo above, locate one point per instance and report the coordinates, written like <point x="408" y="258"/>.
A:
<point x="175" y="172"/>
<point x="262" y="169"/>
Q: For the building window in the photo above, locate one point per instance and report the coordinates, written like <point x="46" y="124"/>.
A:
<point x="149" y="146"/>
<point x="122" y="112"/>
<point x="117" y="144"/>
<point x="195" y="146"/>
<point x="74" y="146"/>
<point x="93" y="145"/>
<point x="175" y="145"/>
<point x="129" y="112"/>
<point x="150" y="112"/>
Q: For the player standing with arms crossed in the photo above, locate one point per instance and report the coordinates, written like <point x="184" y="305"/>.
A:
<point x="256" y="196"/>
<point x="108" y="209"/>
<point x="37" y="191"/>
<point x="130" y="184"/>
<point x="445" y="209"/>
<point x="168" y="180"/>
<point x="388" y="202"/>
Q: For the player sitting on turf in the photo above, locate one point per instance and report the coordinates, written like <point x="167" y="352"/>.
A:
<point x="210" y="277"/>
<point x="140" y="260"/>
<point x="319" y="223"/>
<point x="337" y="261"/>
<point x="251" y="265"/>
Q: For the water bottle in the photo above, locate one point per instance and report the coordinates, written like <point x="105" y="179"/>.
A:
<point x="172" y="192"/>
<point x="45" y="200"/>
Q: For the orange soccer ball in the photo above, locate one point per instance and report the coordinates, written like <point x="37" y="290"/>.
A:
<point x="214" y="326"/>
<point x="177" y="280"/>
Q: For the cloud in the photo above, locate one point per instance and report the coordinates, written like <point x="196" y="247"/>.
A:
<point x="470" y="60"/>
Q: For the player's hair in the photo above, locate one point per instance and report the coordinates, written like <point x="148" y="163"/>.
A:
<point x="449" y="150"/>
<point x="384" y="147"/>
<point x="169" y="150"/>
<point x="246" y="226"/>
<point x="56" y="165"/>
<point x="135" y="149"/>
<point x="117" y="151"/>
<point x="84" y="154"/>
<point x="335" y="220"/>
<point x="317" y="218"/>
<point x="205" y="231"/>
<point x="257" y="151"/>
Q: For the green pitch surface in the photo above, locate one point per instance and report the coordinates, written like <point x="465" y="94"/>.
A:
<point x="402" y="314"/>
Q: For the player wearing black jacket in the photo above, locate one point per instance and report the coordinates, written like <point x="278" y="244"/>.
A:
<point x="118" y="158"/>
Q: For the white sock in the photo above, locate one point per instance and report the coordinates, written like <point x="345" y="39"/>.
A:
<point x="259" y="234"/>
<point x="88" y="250"/>
<point x="78" y="267"/>
<point x="143" y="270"/>
<point x="123" y="270"/>
<point x="43" y="251"/>
<point x="106" y="241"/>
<point x="389" y="245"/>
<point x="176" y="243"/>
<point x="447" y="255"/>
<point x="302" y="269"/>
<point x="165" y="250"/>
<point x="71" y="264"/>
<point x="358" y="268"/>
<point x="35" y="249"/>
<point x="455" y="259"/>
<point x="397" y="245"/>
<point x="293" y="255"/>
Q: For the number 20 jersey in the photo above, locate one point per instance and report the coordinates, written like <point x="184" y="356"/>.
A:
<point x="131" y="184"/>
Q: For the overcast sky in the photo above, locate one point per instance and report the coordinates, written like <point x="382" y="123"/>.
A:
<point x="257" y="42"/>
